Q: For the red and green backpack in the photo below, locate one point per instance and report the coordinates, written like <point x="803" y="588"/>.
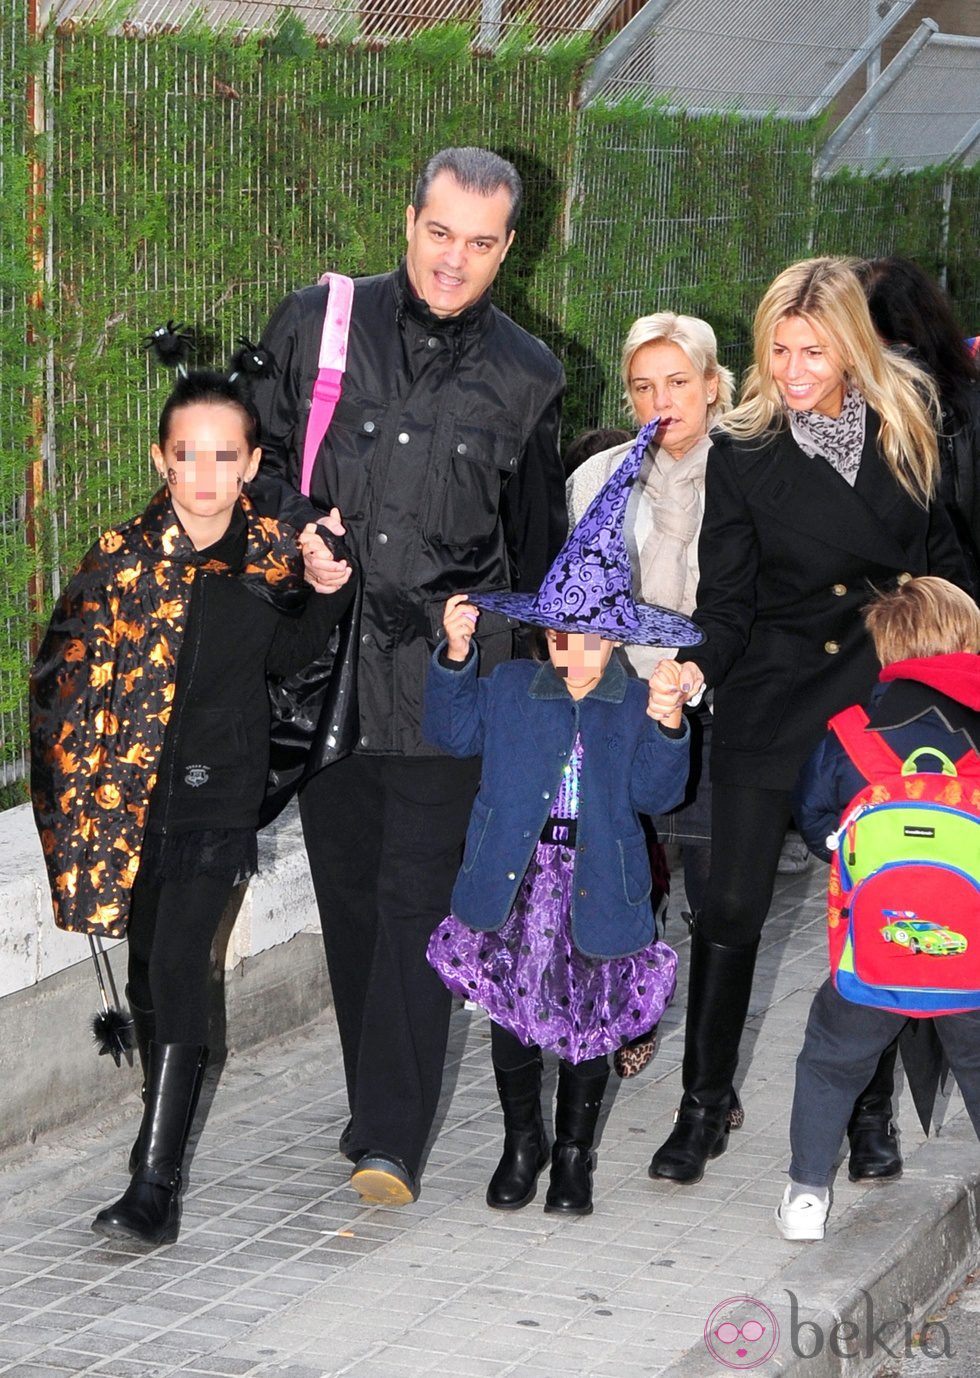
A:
<point x="903" y="900"/>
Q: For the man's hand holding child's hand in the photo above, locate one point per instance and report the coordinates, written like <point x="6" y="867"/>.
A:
<point x="459" y="623"/>
<point x="326" y="574"/>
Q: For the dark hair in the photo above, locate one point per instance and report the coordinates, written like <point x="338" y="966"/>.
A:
<point x="909" y="308"/>
<point x="475" y="169"/>
<point x="591" y="443"/>
<point x="212" y="389"/>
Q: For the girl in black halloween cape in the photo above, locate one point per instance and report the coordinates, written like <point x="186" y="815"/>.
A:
<point x="150" y="742"/>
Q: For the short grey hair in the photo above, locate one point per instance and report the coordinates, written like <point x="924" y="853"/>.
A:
<point x="696" y="338"/>
<point x="475" y="169"/>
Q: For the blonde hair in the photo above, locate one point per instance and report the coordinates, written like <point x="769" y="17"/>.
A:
<point x="827" y="293"/>
<point x="699" y="343"/>
<point x="923" y="617"/>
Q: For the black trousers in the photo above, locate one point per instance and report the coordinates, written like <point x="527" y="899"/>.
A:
<point x="171" y="929"/>
<point x="384" y="837"/>
<point x="747" y="830"/>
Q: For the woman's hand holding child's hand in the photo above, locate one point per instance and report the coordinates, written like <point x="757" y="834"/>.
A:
<point x="459" y="623"/>
<point x="326" y="574"/>
<point x="671" y="685"/>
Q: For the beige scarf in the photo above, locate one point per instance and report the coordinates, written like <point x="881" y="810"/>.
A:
<point x="674" y="490"/>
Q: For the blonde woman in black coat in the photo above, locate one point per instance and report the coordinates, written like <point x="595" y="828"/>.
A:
<point x="818" y="491"/>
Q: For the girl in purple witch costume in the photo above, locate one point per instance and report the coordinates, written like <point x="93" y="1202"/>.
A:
<point x="552" y="929"/>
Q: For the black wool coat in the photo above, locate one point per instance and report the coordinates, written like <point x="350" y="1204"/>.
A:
<point x="789" y="555"/>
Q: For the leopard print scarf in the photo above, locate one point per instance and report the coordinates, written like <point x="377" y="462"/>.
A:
<point x="837" y="439"/>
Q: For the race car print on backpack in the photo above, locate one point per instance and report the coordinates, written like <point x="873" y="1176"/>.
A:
<point x="904" y="890"/>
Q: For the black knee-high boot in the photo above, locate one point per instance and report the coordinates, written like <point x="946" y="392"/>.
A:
<point x="514" y="1182"/>
<point x="717" y="1002"/>
<point x="576" y="1116"/>
<point x="149" y="1209"/>
<point x="871" y="1132"/>
<point x="144" y="1030"/>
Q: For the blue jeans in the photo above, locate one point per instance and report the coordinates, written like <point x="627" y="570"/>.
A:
<point x="840" y="1053"/>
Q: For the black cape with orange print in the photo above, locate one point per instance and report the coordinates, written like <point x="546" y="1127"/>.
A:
<point x="101" y="692"/>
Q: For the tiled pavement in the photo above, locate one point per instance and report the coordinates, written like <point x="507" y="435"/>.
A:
<point x="279" y="1271"/>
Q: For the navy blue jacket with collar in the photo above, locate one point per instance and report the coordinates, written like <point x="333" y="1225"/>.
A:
<point x="523" y="722"/>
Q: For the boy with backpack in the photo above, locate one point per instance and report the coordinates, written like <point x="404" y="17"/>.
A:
<point x="893" y="793"/>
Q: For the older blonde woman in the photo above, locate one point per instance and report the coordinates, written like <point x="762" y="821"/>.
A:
<point x="670" y="369"/>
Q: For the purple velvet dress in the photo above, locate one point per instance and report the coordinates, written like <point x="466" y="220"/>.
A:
<point x="529" y="976"/>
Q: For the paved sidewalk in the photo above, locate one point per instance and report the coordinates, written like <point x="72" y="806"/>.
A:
<point x="279" y="1271"/>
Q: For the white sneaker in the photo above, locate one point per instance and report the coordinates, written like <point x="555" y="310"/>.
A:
<point x="802" y="1218"/>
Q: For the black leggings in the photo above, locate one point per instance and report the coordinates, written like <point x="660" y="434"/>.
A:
<point x="171" y="929"/>
<point x="510" y="1054"/>
<point x="747" y="830"/>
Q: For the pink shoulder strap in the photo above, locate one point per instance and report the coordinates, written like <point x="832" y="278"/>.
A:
<point x="330" y="369"/>
<point x="868" y="750"/>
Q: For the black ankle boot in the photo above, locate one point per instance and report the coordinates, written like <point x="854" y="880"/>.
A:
<point x="871" y="1132"/>
<point x="149" y="1209"/>
<point x="514" y="1182"/>
<point x="718" y="993"/>
<point x="144" y="1030"/>
<point x="576" y="1116"/>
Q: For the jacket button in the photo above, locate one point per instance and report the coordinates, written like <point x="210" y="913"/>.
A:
<point x="526" y="833"/>
<point x="839" y="590"/>
<point x="903" y="578"/>
<point x="511" y="875"/>
<point x="366" y="639"/>
<point x="461" y="449"/>
<point x="512" y="461"/>
<point x="432" y="342"/>
<point x="363" y="741"/>
<point x="368" y="428"/>
<point x="546" y="795"/>
<point x="583" y="893"/>
<point x="831" y="647"/>
<point x="382" y="538"/>
<point x="403" y="437"/>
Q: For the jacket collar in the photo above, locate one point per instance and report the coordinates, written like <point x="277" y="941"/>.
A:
<point x="903" y="701"/>
<point x="957" y="675"/>
<point x="864" y="517"/>
<point x="410" y="305"/>
<point x="610" y="689"/>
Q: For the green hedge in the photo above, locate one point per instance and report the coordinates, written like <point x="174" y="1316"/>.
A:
<point x="200" y="177"/>
<point x="20" y="372"/>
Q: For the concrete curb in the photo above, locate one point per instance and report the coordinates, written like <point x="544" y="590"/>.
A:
<point x="858" y="1297"/>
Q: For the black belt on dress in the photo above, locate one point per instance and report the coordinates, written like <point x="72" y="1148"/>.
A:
<point x="559" y="832"/>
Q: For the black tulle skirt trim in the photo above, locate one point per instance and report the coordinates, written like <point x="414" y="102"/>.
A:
<point x="228" y="854"/>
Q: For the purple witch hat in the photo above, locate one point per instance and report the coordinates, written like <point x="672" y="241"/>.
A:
<point x="589" y="587"/>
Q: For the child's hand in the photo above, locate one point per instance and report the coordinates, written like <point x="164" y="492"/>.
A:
<point x="667" y="693"/>
<point x="326" y="574"/>
<point x="459" y="623"/>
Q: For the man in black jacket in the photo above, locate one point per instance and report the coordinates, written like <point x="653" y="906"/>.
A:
<point x="443" y="459"/>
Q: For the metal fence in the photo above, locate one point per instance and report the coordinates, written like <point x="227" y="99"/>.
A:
<point x="14" y="453"/>
<point x="202" y="153"/>
<point x="765" y="56"/>
<point x="348" y="20"/>
<point x="923" y="110"/>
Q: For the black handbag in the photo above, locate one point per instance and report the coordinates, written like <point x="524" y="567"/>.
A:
<point x="314" y="715"/>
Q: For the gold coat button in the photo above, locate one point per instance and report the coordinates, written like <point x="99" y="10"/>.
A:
<point x="839" y="590"/>
<point x="831" y="647"/>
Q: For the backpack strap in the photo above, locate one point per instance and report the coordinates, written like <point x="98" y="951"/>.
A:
<point x="867" y="750"/>
<point x="330" y="370"/>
